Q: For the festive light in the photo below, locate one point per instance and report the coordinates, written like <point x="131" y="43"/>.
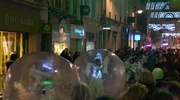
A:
<point x="170" y="34"/>
<point x="165" y="15"/>
<point x="157" y="6"/>
<point x="157" y="27"/>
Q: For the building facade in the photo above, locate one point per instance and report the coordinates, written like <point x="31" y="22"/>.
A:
<point x="19" y="30"/>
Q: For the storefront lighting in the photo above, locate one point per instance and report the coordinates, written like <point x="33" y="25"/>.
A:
<point x="106" y="28"/>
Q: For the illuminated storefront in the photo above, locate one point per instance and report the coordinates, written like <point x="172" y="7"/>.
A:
<point x="19" y="33"/>
<point x="60" y="40"/>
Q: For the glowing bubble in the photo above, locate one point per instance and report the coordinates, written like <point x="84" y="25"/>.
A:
<point x="39" y="76"/>
<point x="103" y="71"/>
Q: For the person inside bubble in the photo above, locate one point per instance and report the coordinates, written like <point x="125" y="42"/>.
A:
<point x="96" y="72"/>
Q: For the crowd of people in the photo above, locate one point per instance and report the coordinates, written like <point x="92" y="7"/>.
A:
<point x="155" y="74"/>
<point x="68" y="55"/>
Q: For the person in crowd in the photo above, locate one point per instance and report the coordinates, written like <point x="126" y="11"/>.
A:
<point x="147" y="78"/>
<point x="76" y="55"/>
<point x="160" y="62"/>
<point x="169" y="72"/>
<point x="13" y="58"/>
<point x="135" y="91"/>
<point x="176" y="58"/>
<point x="177" y="63"/>
<point x="69" y="57"/>
<point x="151" y="61"/>
<point x="162" y="95"/>
<point x="159" y="76"/>
<point x="173" y="87"/>
<point x="81" y="91"/>
<point x="64" y="53"/>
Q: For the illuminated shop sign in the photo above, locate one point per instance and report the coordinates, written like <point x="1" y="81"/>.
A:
<point x="157" y="27"/>
<point x="157" y="6"/>
<point x="79" y="31"/>
<point x="137" y="37"/>
<point x="165" y="15"/>
<point x="170" y="34"/>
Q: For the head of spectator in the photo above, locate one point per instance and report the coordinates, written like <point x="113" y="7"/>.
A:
<point x="146" y="77"/>
<point x="13" y="57"/>
<point x="173" y="87"/>
<point x="159" y="77"/>
<point x="66" y="50"/>
<point x="135" y="91"/>
<point x="162" y="95"/>
<point x="158" y="73"/>
<point x="81" y="92"/>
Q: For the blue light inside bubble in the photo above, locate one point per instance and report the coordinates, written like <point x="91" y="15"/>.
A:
<point x="97" y="73"/>
<point x="47" y="67"/>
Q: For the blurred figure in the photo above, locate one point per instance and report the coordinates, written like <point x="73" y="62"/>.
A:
<point x="13" y="58"/>
<point x="151" y="61"/>
<point x="169" y="72"/>
<point x="69" y="57"/>
<point x="76" y="54"/>
<point x="173" y="87"/>
<point x="159" y="76"/>
<point x="135" y="91"/>
<point x="147" y="78"/>
<point x="64" y="53"/>
<point x="81" y="92"/>
<point x="162" y="95"/>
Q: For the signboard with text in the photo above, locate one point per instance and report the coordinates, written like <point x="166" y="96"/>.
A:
<point x="17" y="20"/>
<point x="77" y="32"/>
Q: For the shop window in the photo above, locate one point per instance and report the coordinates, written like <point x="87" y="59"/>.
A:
<point x="11" y="43"/>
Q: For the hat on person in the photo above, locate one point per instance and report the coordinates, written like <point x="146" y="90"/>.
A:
<point x="158" y="73"/>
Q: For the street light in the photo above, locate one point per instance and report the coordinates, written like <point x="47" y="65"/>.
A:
<point x="139" y="11"/>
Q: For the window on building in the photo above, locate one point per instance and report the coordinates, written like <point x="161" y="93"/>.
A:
<point x="109" y="14"/>
<point x="93" y="8"/>
<point x="58" y="4"/>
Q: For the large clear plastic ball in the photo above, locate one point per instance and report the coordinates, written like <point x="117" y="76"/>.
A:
<point x="40" y="76"/>
<point x="103" y="71"/>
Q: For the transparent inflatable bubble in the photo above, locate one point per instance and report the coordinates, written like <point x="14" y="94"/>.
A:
<point x="39" y="76"/>
<point x="103" y="71"/>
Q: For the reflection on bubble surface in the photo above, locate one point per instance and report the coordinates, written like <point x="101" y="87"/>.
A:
<point x="39" y="76"/>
